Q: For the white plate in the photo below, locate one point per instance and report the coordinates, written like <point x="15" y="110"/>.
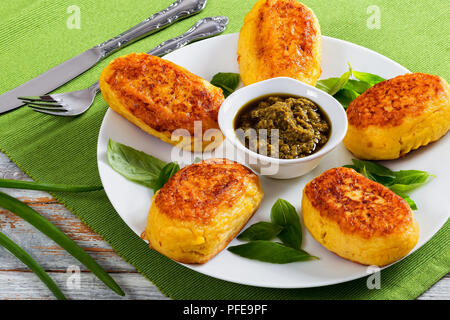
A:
<point x="206" y="58"/>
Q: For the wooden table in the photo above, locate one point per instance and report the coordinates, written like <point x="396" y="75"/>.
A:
<point x="17" y="282"/>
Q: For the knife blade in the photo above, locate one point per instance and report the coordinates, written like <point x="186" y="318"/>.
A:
<point x="68" y="70"/>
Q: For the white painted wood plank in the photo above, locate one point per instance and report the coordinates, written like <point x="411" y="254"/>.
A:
<point x="439" y="291"/>
<point x="25" y="285"/>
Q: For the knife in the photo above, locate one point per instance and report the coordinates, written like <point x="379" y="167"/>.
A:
<point x="66" y="71"/>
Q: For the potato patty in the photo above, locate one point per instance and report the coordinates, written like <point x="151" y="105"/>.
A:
<point x="280" y="38"/>
<point x="357" y="218"/>
<point x="159" y="96"/>
<point x="201" y="209"/>
<point x="398" y="115"/>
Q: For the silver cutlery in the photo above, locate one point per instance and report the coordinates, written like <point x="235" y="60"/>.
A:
<point x="77" y="102"/>
<point x="66" y="71"/>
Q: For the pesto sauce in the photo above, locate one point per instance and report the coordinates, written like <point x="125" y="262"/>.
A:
<point x="303" y="127"/>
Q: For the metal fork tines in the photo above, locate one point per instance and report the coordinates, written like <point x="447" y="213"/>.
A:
<point x="77" y="102"/>
<point x="63" y="104"/>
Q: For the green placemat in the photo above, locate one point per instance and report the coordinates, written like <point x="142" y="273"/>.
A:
<point x="34" y="37"/>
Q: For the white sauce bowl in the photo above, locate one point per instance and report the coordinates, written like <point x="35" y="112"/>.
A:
<point x="283" y="168"/>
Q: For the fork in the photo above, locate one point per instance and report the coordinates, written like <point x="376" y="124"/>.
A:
<point x="77" y="102"/>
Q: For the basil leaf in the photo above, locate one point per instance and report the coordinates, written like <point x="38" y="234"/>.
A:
<point x="370" y="78"/>
<point x="333" y="85"/>
<point x="374" y="168"/>
<point x="227" y="81"/>
<point x="405" y="188"/>
<point x="385" y="177"/>
<point x="284" y="214"/>
<point x="260" y="231"/>
<point x="408" y="200"/>
<point x="326" y="84"/>
<point x="357" y="86"/>
<point x="408" y="180"/>
<point x="411" y="203"/>
<point x="165" y="174"/>
<point x="412" y="176"/>
<point x="365" y="173"/>
<point x="268" y="251"/>
<point x="286" y="225"/>
<point x="291" y="235"/>
<point x="344" y="89"/>
<point x="345" y="96"/>
<point x="386" y="181"/>
<point x="134" y="165"/>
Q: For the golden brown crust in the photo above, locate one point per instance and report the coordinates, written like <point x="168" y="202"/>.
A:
<point x="387" y="103"/>
<point x="162" y="94"/>
<point x="201" y="209"/>
<point x="280" y="38"/>
<point x="358" y="205"/>
<point x="197" y="192"/>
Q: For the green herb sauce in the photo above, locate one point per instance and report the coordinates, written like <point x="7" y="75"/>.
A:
<point x="303" y="128"/>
